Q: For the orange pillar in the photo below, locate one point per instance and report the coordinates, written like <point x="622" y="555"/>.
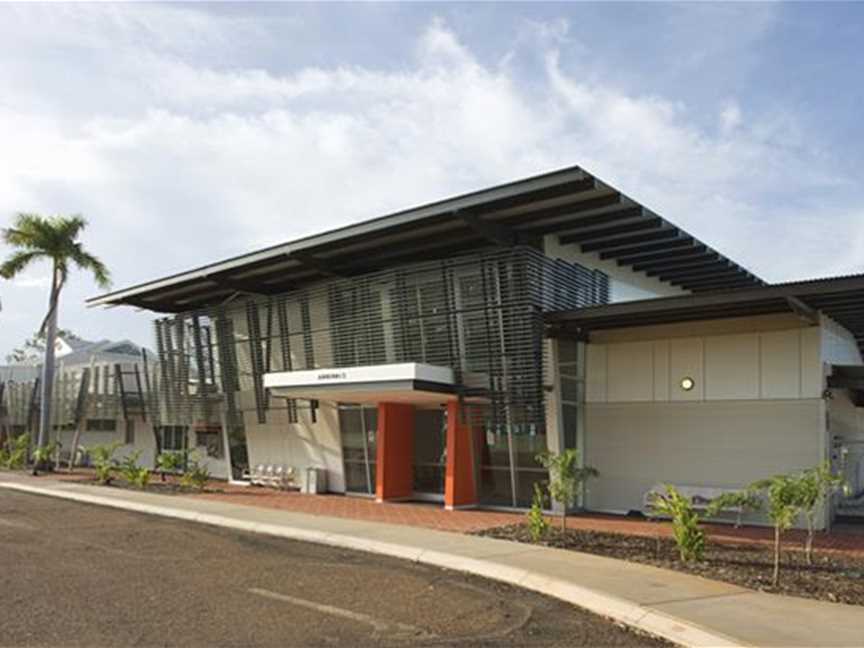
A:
<point x="394" y="474"/>
<point x="459" y="487"/>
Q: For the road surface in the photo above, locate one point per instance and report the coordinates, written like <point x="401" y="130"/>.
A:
<point x="78" y="575"/>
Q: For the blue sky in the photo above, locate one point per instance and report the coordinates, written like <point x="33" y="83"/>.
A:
<point x="186" y="133"/>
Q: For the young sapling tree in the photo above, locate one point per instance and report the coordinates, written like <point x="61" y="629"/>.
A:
<point x="815" y="486"/>
<point x="566" y="478"/>
<point x="782" y="493"/>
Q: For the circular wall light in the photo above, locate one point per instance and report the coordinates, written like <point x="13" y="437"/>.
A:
<point x="687" y="383"/>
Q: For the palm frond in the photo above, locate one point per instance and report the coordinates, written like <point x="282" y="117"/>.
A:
<point x="17" y="262"/>
<point x="86" y="261"/>
<point x="30" y="231"/>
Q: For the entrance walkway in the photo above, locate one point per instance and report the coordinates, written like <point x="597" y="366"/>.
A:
<point x="433" y="516"/>
<point x="687" y="609"/>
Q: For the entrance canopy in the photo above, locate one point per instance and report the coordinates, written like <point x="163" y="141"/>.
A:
<point x="408" y="382"/>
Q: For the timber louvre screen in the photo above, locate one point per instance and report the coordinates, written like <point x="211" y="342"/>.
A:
<point x="481" y="315"/>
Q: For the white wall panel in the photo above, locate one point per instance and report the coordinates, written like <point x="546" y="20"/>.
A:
<point x="630" y="372"/>
<point x="732" y="367"/>
<point x="595" y="373"/>
<point x="780" y="358"/>
<point x="661" y="370"/>
<point x="686" y="357"/>
<point x="719" y="443"/>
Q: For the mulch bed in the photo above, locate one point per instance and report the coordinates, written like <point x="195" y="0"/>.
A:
<point x="832" y="577"/>
<point x="168" y="487"/>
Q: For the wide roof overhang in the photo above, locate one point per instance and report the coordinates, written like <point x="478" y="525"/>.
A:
<point x="840" y="298"/>
<point x="571" y="203"/>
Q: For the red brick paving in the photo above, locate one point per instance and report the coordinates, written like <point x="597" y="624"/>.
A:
<point x="433" y="516"/>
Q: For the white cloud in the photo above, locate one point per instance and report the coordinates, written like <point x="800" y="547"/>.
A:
<point x="730" y="117"/>
<point x="30" y="281"/>
<point x="181" y="162"/>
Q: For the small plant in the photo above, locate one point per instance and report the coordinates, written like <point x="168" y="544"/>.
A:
<point x="566" y="478"/>
<point x="814" y="486"/>
<point x="196" y="475"/>
<point x="745" y="501"/>
<point x="136" y="475"/>
<point x="538" y="526"/>
<point x="102" y="458"/>
<point x="17" y="455"/>
<point x="784" y="504"/>
<point x="689" y="536"/>
<point x="43" y="454"/>
<point x="170" y="461"/>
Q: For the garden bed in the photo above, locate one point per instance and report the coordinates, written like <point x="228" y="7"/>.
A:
<point x="168" y="487"/>
<point x="833" y="577"/>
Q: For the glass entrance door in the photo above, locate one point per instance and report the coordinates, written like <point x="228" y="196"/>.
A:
<point x="430" y="453"/>
<point x="358" y="426"/>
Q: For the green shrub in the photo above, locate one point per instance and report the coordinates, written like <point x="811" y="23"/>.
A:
<point x="566" y="478"/>
<point x="689" y="536"/>
<point x="16" y="457"/>
<point x="42" y="455"/>
<point x="196" y="475"/>
<point x="538" y="526"/>
<point x="170" y="461"/>
<point x="136" y="475"/>
<point x="745" y="500"/>
<point x="102" y="458"/>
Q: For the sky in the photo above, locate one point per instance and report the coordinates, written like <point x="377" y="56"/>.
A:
<point x="187" y="133"/>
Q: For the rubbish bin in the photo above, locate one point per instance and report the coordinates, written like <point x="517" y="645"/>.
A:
<point x="314" y="481"/>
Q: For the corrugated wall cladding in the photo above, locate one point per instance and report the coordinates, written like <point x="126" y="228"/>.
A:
<point x="480" y="315"/>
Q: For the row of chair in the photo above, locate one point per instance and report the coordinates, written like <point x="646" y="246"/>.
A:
<point x="273" y="475"/>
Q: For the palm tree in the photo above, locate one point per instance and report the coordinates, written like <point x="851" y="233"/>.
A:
<point x="54" y="239"/>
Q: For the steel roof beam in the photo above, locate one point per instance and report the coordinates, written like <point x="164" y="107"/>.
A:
<point x="493" y="232"/>
<point x="679" y="272"/>
<point x="724" y="274"/>
<point x="635" y="239"/>
<point x="665" y="262"/>
<point x="543" y="216"/>
<point x="661" y="257"/>
<point x="685" y="265"/>
<point x="717" y="284"/>
<point x="638" y="225"/>
<point x="648" y="247"/>
<point x="316" y="263"/>
<point x="625" y="215"/>
<point x="242" y="285"/>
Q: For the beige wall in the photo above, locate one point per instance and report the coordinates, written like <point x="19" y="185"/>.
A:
<point x="722" y="443"/>
<point x="145" y="445"/>
<point x="727" y="360"/>
<point x="625" y="285"/>
<point x="755" y="410"/>
<point x="301" y="445"/>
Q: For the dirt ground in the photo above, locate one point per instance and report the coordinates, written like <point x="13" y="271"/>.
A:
<point x="832" y="577"/>
<point x="78" y="575"/>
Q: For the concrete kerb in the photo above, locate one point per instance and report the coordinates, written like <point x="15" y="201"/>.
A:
<point x="631" y="614"/>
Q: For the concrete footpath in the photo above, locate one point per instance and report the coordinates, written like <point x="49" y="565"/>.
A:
<point x="685" y="609"/>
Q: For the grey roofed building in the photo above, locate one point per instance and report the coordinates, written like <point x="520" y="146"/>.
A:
<point x="473" y="332"/>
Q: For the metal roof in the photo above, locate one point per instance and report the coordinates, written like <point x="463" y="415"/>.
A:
<point x="840" y="298"/>
<point x="571" y="203"/>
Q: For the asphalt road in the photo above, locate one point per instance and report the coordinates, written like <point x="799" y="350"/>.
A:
<point x="78" y="575"/>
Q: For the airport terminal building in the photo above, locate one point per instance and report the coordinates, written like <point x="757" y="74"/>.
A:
<point x="431" y="354"/>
